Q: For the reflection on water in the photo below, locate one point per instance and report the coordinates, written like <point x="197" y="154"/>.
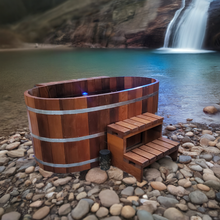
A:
<point x="188" y="82"/>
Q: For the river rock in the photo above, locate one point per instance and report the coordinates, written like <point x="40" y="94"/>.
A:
<point x="128" y="191"/>
<point x="41" y="213"/>
<point x="24" y="164"/>
<point x="96" y="175"/>
<point x="30" y="170"/>
<point x="158" y="186"/>
<point x="209" y="176"/>
<point x="16" y="153"/>
<point x="45" y="173"/>
<point x="169" y="164"/>
<point x="116" y="209"/>
<point x="64" y="209"/>
<point x="171" y="128"/>
<point x="127" y="212"/>
<point x="151" y="174"/>
<point x="186" y="173"/>
<point x="2" y="168"/>
<point x="93" y="191"/>
<point x="36" y="204"/>
<point x="207" y="157"/>
<point x="3" y="160"/>
<point x="216" y="170"/>
<point x="198" y="197"/>
<point x="139" y="192"/>
<point x="95" y="207"/>
<point x="144" y="215"/>
<point x="218" y="196"/>
<point x="173" y="214"/>
<point x="4" y="198"/>
<point x="196" y="168"/>
<point x="1" y="212"/>
<point x="213" y="184"/>
<point x="12" y="146"/>
<point x="112" y="218"/>
<point x="210" y="110"/>
<point x="81" y="195"/>
<point x="129" y="180"/>
<point x="208" y="136"/>
<point x="203" y="187"/>
<point x="167" y="202"/>
<point x="11" y="216"/>
<point x="89" y="217"/>
<point x="80" y="210"/>
<point x="3" y="153"/>
<point x="108" y="198"/>
<point x="62" y="181"/>
<point x="102" y="212"/>
<point x="158" y="217"/>
<point x="115" y="173"/>
<point x="149" y="206"/>
<point x="185" y="159"/>
<point x="177" y="191"/>
<point x="184" y="183"/>
<point x="212" y="150"/>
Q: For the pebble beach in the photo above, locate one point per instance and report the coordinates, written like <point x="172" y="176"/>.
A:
<point x="186" y="189"/>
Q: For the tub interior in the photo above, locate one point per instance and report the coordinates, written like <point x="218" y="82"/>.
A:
<point x="77" y="88"/>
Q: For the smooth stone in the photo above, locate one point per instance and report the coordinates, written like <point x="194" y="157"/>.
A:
<point x="139" y="192"/>
<point x="62" y="181"/>
<point x="190" y="134"/>
<point x="36" y="204"/>
<point x="128" y="212"/>
<point x="196" y="168"/>
<point x="2" y="168"/>
<point x="108" y="198"/>
<point x="93" y="191"/>
<point x="158" y="186"/>
<point x="169" y="164"/>
<point x="30" y="169"/>
<point x="158" y="217"/>
<point x="4" y="198"/>
<point x="23" y="165"/>
<point x="133" y="198"/>
<point x="199" y="180"/>
<point x="167" y="202"/>
<point x="1" y="212"/>
<point x="171" y="128"/>
<point x="40" y="185"/>
<point x="154" y="193"/>
<point x="41" y="213"/>
<point x="14" y="192"/>
<point x="149" y="206"/>
<point x="182" y="207"/>
<point x="95" y="207"/>
<point x="129" y="180"/>
<point x="201" y="162"/>
<point x="90" y="201"/>
<point x="185" y="159"/>
<point x="186" y="173"/>
<point x="210" y="110"/>
<point x="208" y="136"/>
<point x="151" y="174"/>
<point x="197" y="197"/>
<point x="80" y="210"/>
<point x="45" y="174"/>
<point x="102" y="212"/>
<point x="11" y="216"/>
<point x="81" y="195"/>
<point x="64" y="209"/>
<point x="216" y="158"/>
<point x="144" y="215"/>
<point x="128" y="191"/>
<point x="212" y="204"/>
<point x="173" y="214"/>
<point x="96" y="175"/>
<point x="216" y="170"/>
<point x="3" y="160"/>
<point x="112" y="218"/>
<point x="210" y="194"/>
<point x="212" y="150"/>
<point x="116" y="209"/>
<point x="10" y="171"/>
<point x="16" y="153"/>
<point x="218" y="197"/>
<point x="203" y="187"/>
<point x="115" y="173"/>
<point x="209" y="176"/>
<point x="12" y="146"/>
<point x="184" y="183"/>
<point x="206" y="217"/>
<point x="207" y="157"/>
<point x="177" y="191"/>
<point x="188" y="145"/>
<point x="90" y="217"/>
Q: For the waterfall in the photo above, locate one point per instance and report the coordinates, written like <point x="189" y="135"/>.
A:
<point x="190" y="28"/>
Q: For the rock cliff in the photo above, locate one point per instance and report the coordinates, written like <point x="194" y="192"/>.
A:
<point x="104" y="23"/>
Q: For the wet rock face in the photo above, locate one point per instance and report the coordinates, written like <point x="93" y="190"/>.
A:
<point x="212" y="40"/>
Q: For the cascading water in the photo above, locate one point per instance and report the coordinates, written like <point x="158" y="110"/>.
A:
<point x="190" y="30"/>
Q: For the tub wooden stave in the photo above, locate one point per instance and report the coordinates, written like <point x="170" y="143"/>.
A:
<point x="87" y="123"/>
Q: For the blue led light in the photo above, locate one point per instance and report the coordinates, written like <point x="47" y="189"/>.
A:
<point x="84" y="93"/>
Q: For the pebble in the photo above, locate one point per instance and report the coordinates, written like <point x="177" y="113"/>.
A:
<point x="128" y="191"/>
<point x="171" y="128"/>
<point x="41" y="213"/>
<point x="167" y="202"/>
<point x="4" y="198"/>
<point x="96" y="175"/>
<point x="203" y="187"/>
<point x="102" y="212"/>
<point x="185" y="159"/>
<point x="158" y="186"/>
<point x="116" y="209"/>
<point x="115" y="173"/>
<point x="144" y="215"/>
<point x="198" y="197"/>
<point x="128" y="212"/>
<point x="169" y="164"/>
<point x="218" y="196"/>
<point x="62" y="181"/>
<point x="81" y="195"/>
<point x="129" y="180"/>
<point x="177" y="191"/>
<point x="11" y="216"/>
<point x="108" y="198"/>
<point x="80" y="210"/>
<point x="139" y="192"/>
<point x="196" y="168"/>
<point x="12" y="146"/>
<point x="64" y="209"/>
<point x="173" y="214"/>
<point x="95" y="207"/>
<point x="30" y="169"/>
<point x="151" y="174"/>
<point x="36" y="204"/>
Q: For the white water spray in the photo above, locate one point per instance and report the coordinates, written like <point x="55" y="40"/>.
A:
<point x="190" y="30"/>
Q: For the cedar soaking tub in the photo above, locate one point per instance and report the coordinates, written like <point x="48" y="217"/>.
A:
<point x="68" y="119"/>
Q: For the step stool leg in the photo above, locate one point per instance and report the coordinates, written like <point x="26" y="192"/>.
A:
<point x="174" y="155"/>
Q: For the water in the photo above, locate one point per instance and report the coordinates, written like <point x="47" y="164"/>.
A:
<point x="188" y="28"/>
<point x="188" y="82"/>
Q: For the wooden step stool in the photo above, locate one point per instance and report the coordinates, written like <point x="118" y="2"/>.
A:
<point x="137" y="142"/>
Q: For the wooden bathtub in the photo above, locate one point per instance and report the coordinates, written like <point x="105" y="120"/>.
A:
<point x="68" y="119"/>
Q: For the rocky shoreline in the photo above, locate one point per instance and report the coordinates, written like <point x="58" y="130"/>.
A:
<point x="186" y="189"/>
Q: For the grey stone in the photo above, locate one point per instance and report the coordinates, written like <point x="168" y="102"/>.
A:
<point x="199" y="180"/>
<point x="196" y="168"/>
<point x="208" y="136"/>
<point x="108" y="198"/>
<point x="206" y="217"/>
<point x="11" y="216"/>
<point x="112" y="218"/>
<point x="218" y="196"/>
<point x="213" y="184"/>
<point x="3" y="160"/>
<point x="139" y="192"/>
<point x="10" y="171"/>
<point x="158" y="217"/>
<point x="169" y="164"/>
<point x="151" y="174"/>
<point x="26" y="165"/>
<point x="4" y="198"/>
<point x="207" y="157"/>
<point x="2" y="168"/>
<point x="80" y="210"/>
<point x="14" y="193"/>
<point x="93" y="191"/>
<point x="216" y="158"/>
<point x="198" y="197"/>
<point x="143" y="215"/>
<point x="91" y="217"/>
<point x="201" y="162"/>
<point x="128" y="191"/>
<point x="64" y="209"/>
<point x="185" y="159"/>
<point x="90" y="201"/>
<point x="167" y="202"/>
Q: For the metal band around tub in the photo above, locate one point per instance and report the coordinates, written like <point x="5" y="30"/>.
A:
<point x="85" y="110"/>
<point x="65" y="140"/>
<point x="67" y="165"/>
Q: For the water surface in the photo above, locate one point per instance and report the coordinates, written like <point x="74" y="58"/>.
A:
<point x="188" y="82"/>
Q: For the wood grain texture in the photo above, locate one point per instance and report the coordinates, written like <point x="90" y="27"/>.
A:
<point x="67" y="95"/>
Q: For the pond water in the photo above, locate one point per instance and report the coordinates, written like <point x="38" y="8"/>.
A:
<point x="188" y="82"/>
